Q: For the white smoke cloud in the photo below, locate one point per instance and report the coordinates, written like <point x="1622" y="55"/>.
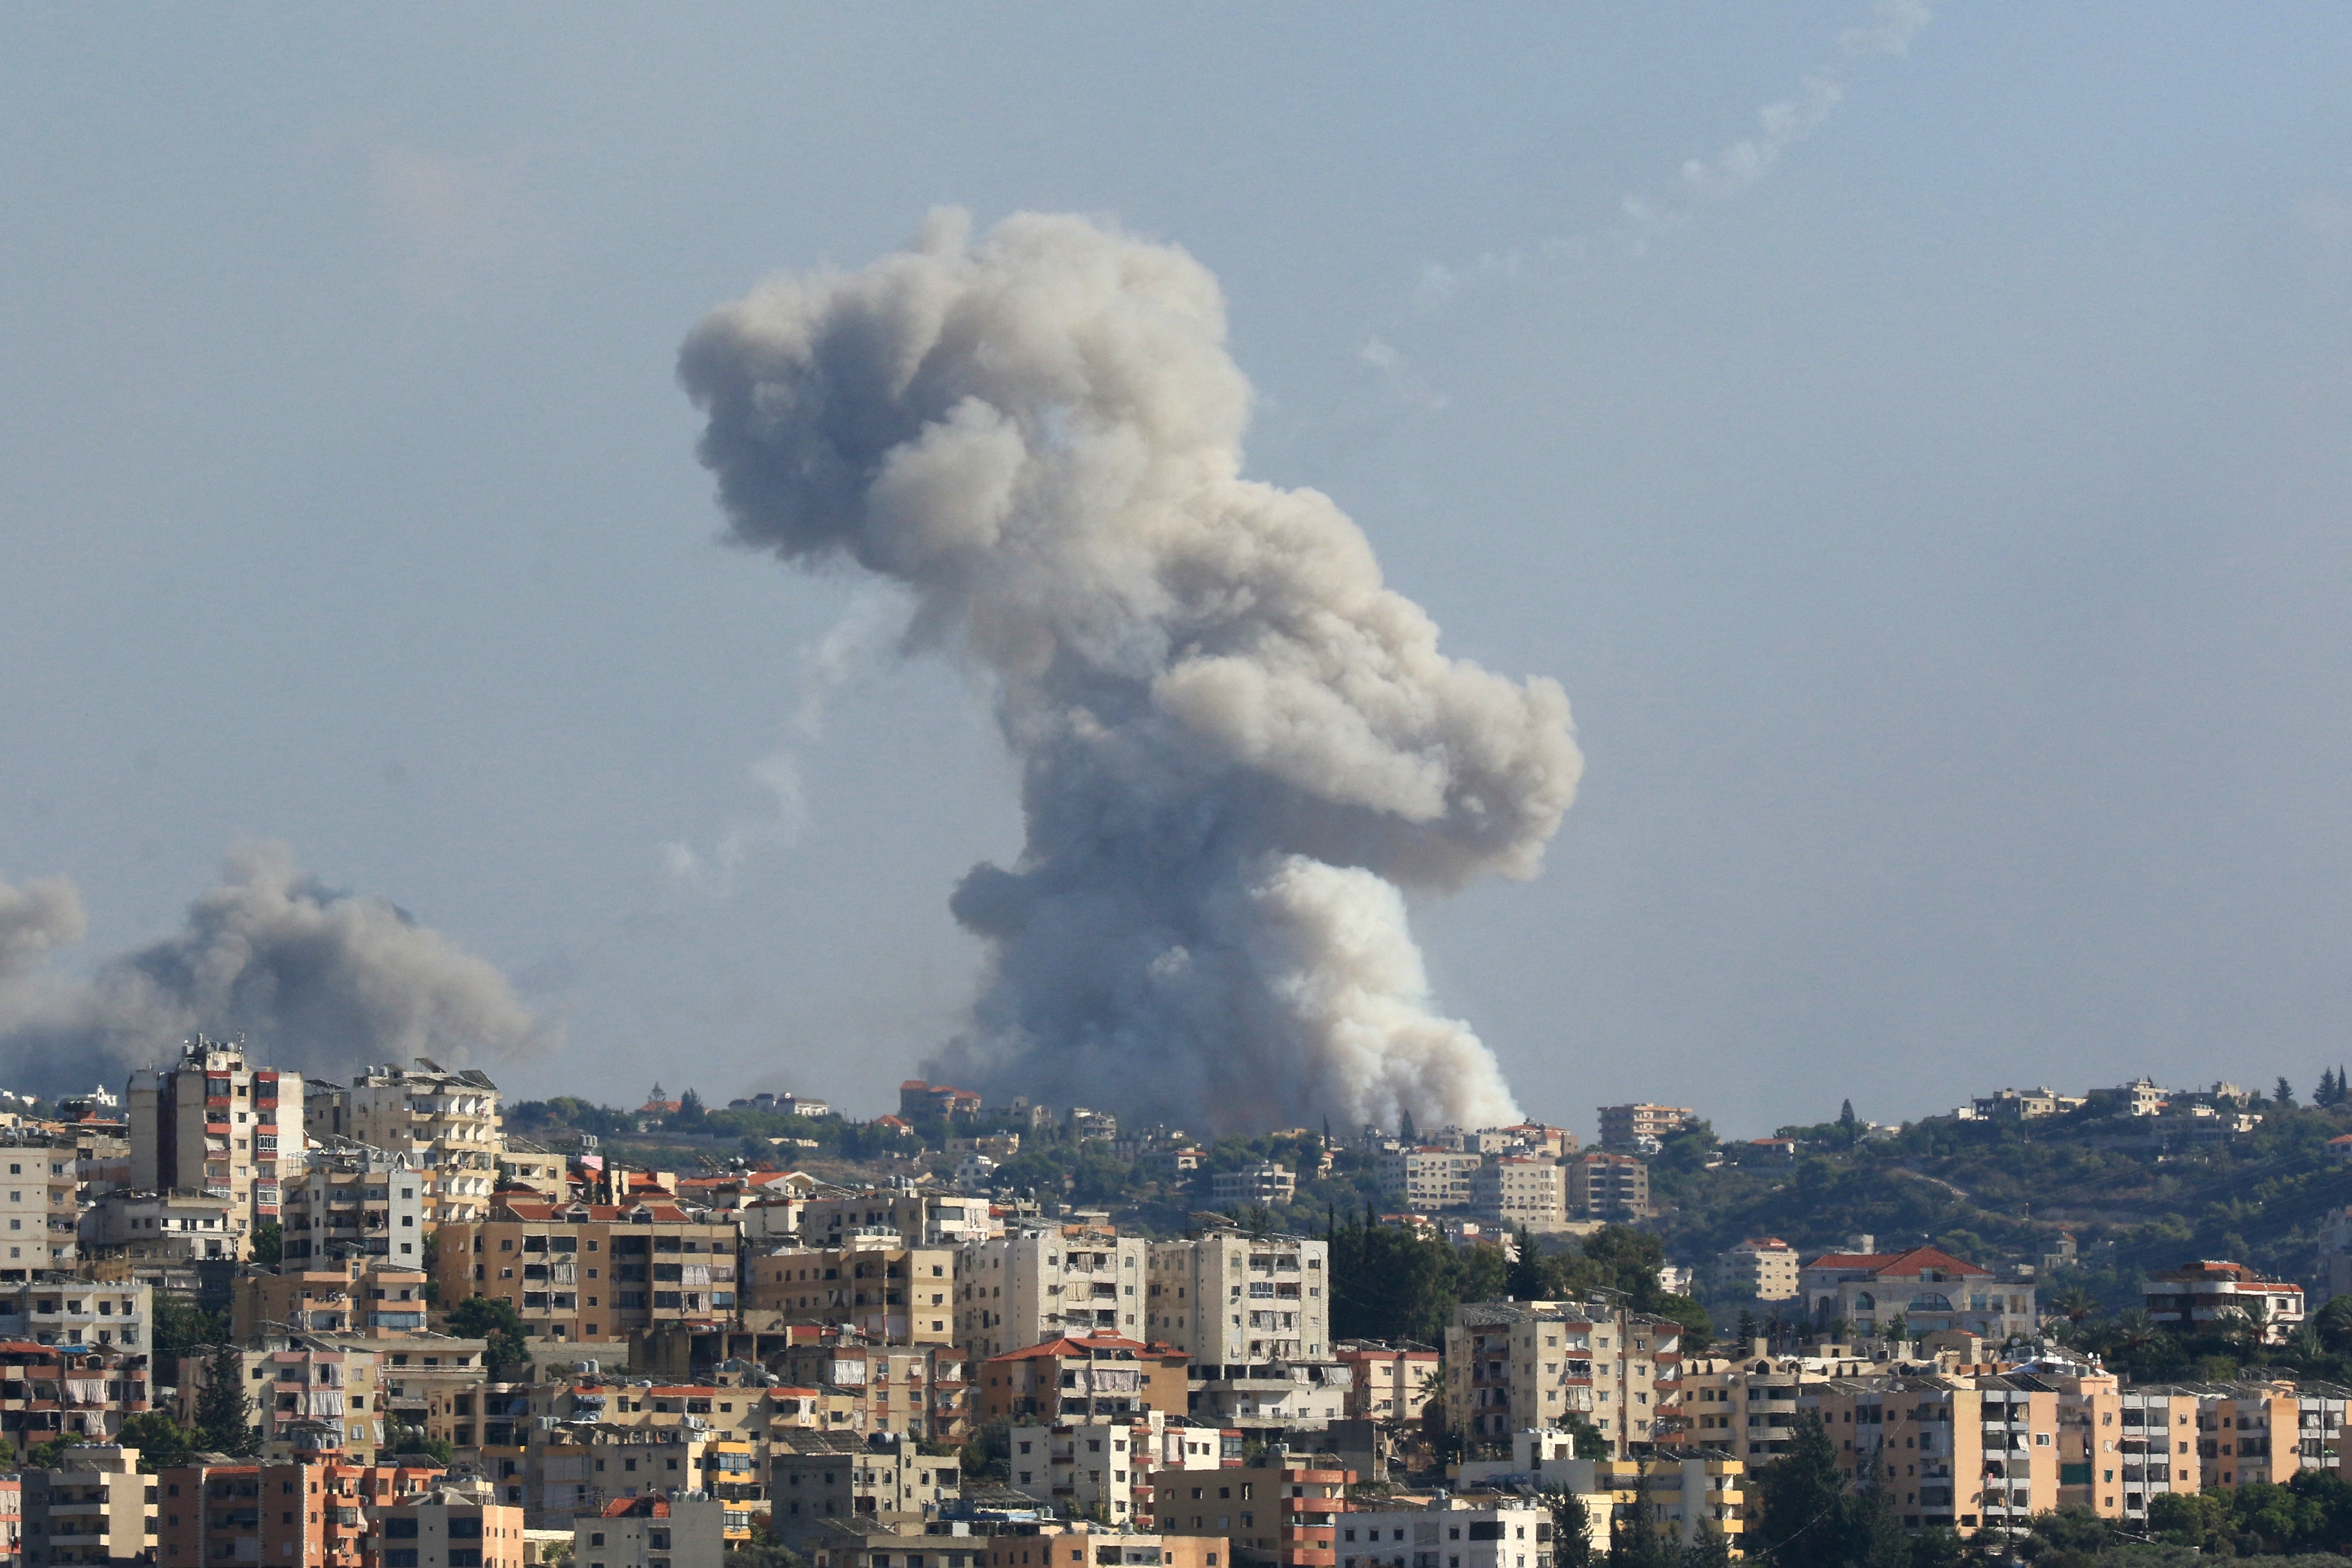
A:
<point x="317" y="980"/>
<point x="1237" y="744"/>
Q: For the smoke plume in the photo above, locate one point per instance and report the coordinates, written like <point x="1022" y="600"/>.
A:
<point x="1237" y="745"/>
<point x="318" y="981"/>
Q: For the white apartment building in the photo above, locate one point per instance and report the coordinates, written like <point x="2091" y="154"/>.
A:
<point x="1018" y="1290"/>
<point x="446" y="1123"/>
<point x="174" y="1228"/>
<point x="65" y="1310"/>
<point x="212" y="1123"/>
<point x="1228" y="1300"/>
<point x="1518" y="1190"/>
<point x="1263" y="1183"/>
<point x="1107" y="1463"/>
<point x="1765" y="1263"/>
<point x="1506" y="1532"/>
<point x="1425" y="1176"/>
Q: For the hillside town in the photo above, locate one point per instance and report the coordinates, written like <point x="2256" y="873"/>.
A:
<point x="228" y="1285"/>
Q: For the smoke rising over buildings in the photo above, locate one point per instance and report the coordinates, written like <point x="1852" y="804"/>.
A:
<point x="1237" y="746"/>
<point x="318" y="980"/>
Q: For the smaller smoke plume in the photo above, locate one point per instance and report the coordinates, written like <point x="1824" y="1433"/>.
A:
<point x="318" y="980"/>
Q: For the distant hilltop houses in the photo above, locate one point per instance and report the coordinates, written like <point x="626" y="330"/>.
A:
<point x="960" y="1331"/>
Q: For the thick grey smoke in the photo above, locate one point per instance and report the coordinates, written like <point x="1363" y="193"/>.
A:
<point x="1236" y="744"/>
<point x="318" y="980"/>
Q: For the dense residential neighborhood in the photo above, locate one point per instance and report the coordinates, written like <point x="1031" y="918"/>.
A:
<point x="669" y="1333"/>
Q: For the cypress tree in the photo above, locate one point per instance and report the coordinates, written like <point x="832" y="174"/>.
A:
<point x="1803" y="1493"/>
<point x="224" y="1413"/>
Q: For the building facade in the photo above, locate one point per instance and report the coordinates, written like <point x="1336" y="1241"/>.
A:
<point x="1033" y="1284"/>
<point x="213" y="1124"/>
<point x="1228" y="1300"/>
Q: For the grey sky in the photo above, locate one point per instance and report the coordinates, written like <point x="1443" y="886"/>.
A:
<point x="1941" y="538"/>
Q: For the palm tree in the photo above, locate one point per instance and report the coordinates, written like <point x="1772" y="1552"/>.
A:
<point x="2077" y="1306"/>
<point x="2334" y="1325"/>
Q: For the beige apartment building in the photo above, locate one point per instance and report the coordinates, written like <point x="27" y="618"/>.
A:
<point x="1428" y="1177"/>
<point x="1521" y="1364"/>
<point x="1623" y="1128"/>
<point x="1607" y="1187"/>
<point x="446" y="1123"/>
<point x="358" y="1202"/>
<point x="212" y="1123"/>
<point x="1232" y="1301"/>
<point x="1522" y="1191"/>
<point x="42" y="1209"/>
<point x="1766" y="1264"/>
<point x="1031" y="1285"/>
<point x="885" y="1290"/>
<point x="374" y="1299"/>
<point x="591" y="1272"/>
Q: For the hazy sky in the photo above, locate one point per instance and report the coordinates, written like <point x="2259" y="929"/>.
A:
<point x="1938" y="518"/>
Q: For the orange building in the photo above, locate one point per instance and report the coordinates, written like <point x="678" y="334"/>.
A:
<point x="293" y="1514"/>
<point x="1286" y="1513"/>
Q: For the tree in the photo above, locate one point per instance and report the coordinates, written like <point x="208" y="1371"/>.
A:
<point x="493" y="1319"/>
<point x="162" y="1443"/>
<point x="269" y="1241"/>
<point x="2284" y="1095"/>
<point x="1802" y="1490"/>
<point x="51" y="1455"/>
<point x="1849" y="1124"/>
<point x="1634" y="1540"/>
<point x="2335" y="1325"/>
<point x="1572" y="1530"/>
<point x="988" y="1453"/>
<point x="689" y="1114"/>
<point x="1405" y="1133"/>
<point x="224" y="1413"/>
<point x="766" y="1549"/>
<point x="181" y="1325"/>
<point x="2327" y="1093"/>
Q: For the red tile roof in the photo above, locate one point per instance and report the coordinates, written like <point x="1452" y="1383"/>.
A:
<point x="1074" y="1344"/>
<point x="1897" y="1263"/>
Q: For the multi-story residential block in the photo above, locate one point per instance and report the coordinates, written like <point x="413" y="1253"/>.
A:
<point x="323" y="1513"/>
<point x="814" y="1477"/>
<point x="447" y="1524"/>
<point x="368" y="1299"/>
<point x="1607" y="1187"/>
<point x="174" y="1228"/>
<point x="921" y="1101"/>
<point x="1499" y="1531"/>
<point x="1012" y="1546"/>
<point x="1387" y="1381"/>
<point x="1626" y="1129"/>
<point x="1514" y="1364"/>
<point x="1931" y="1291"/>
<point x="73" y="1313"/>
<point x="42" y="1207"/>
<point x="1286" y="1511"/>
<point x="1520" y="1192"/>
<point x="1228" y="1300"/>
<point x="96" y="1507"/>
<point x="916" y="1391"/>
<point x="1427" y="1176"/>
<point x="2027" y="1104"/>
<point x="877" y="1284"/>
<point x="212" y="1123"/>
<point x="1099" y="1466"/>
<point x="304" y="1384"/>
<point x="446" y="1123"/>
<point x="592" y="1273"/>
<point x="12" y="1514"/>
<point x="1038" y="1283"/>
<point x="1265" y="1183"/>
<point x="921" y="1218"/>
<point x="1099" y="1374"/>
<point x="1766" y="1265"/>
<point x="67" y="1392"/>
<point x="2212" y="1296"/>
<point x="1954" y="1453"/>
<point x="558" y="1474"/>
<point x="678" y="1531"/>
<point x="358" y="1202"/>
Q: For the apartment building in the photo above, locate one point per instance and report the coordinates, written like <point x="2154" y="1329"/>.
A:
<point x="1387" y="1381"/>
<point x="447" y="1124"/>
<point x="2213" y="1296"/>
<point x="67" y="1391"/>
<point x="2027" y="1104"/>
<point x="212" y="1123"/>
<point x="375" y="1302"/>
<point x="172" y="1228"/>
<point x="591" y="1272"/>
<point x="1627" y="1129"/>
<point x="921" y="1218"/>
<point x="43" y="1207"/>
<point x="1285" y="1512"/>
<point x="1690" y="1498"/>
<point x="1011" y="1546"/>
<point x="1460" y="1532"/>
<point x="1038" y="1283"/>
<point x="1265" y="1183"/>
<point x="302" y="1385"/>
<point x="358" y="1202"/>
<point x="873" y="1282"/>
<point x="1607" y="1187"/>
<point x="314" y="1513"/>
<point x="1520" y="1192"/>
<point x="1931" y="1291"/>
<point x="455" y="1522"/>
<point x="1101" y="1465"/>
<point x="1424" y="1178"/>
<point x="917" y="1391"/>
<point x="1514" y="1364"/>
<point x="96" y="1507"/>
<point x="1766" y="1265"/>
<point x="559" y="1475"/>
<point x="77" y="1313"/>
<point x="1073" y="1377"/>
<point x="681" y="1529"/>
<point x="1232" y="1301"/>
<point x="818" y="1476"/>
